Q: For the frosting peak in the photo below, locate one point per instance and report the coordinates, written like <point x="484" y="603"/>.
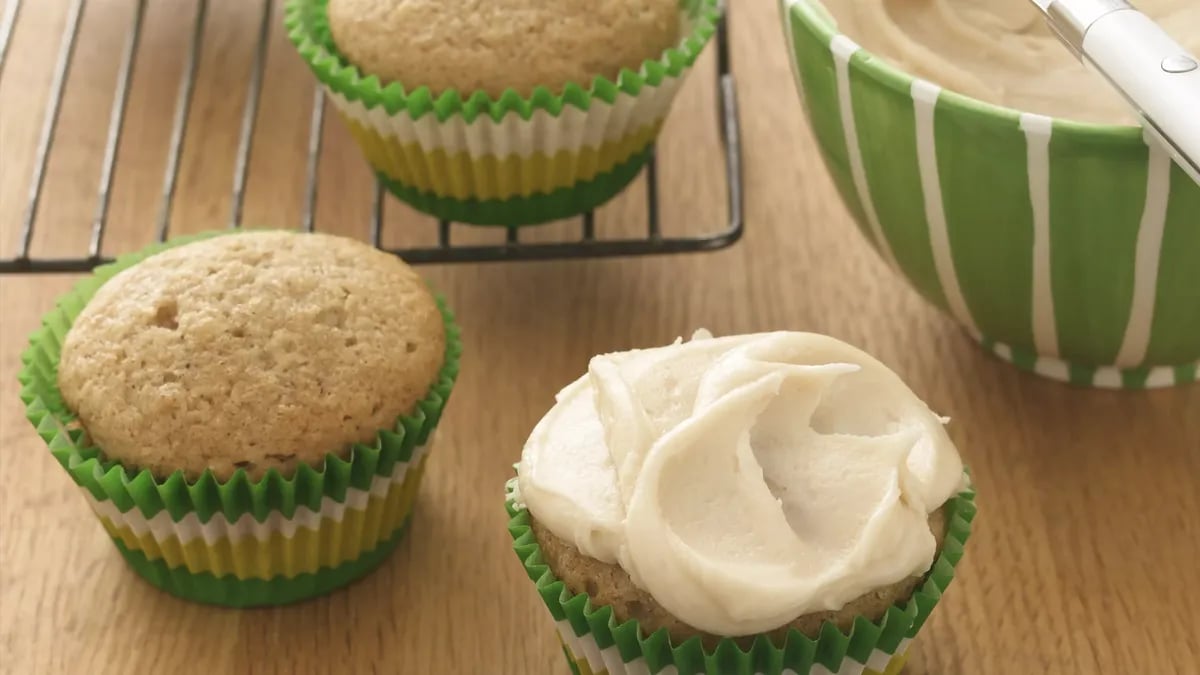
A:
<point x="743" y="481"/>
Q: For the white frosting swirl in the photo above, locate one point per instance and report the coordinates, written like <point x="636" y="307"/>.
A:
<point x="743" y="481"/>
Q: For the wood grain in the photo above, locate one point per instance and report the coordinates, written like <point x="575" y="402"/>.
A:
<point x="1085" y="556"/>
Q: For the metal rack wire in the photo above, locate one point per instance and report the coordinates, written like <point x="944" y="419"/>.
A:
<point x="587" y="244"/>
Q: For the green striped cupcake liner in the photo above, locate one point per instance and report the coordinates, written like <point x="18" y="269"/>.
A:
<point x="561" y="203"/>
<point x="596" y="644"/>
<point x="511" y="160"/>
<point x="207" y="588"/>
<point x="1067" y="248"/>
<point x="238" y="542"/>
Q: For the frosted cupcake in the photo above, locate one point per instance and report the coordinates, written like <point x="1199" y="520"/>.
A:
<point x="248" y="415"/>
<point x="503" y="113"/>
<point x="755" y="503"/>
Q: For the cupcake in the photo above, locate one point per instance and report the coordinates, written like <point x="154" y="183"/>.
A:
<point x="504" y="113"/>
<point x="248" y="415"/>
<point x="767" y="503"/>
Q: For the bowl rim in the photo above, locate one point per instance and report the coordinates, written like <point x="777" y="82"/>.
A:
<point x="882" y="72"/>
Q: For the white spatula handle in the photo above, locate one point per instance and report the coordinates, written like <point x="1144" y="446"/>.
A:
<point x="1155" y="74"/>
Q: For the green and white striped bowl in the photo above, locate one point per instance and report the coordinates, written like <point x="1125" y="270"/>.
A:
<point x="1072" y="250"/>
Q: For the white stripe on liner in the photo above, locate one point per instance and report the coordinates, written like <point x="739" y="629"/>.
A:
<point x="638" y="667"/>
<point x="572" y="130"/>
<point x="591" y="651"/>
<point x="1038" y="129"/>
<point x="1145" y="267"/>
<point x="879" y="659"/>
<point x="218" y="527"/>
<point x="925" y="96"/>
<point x="843" y="48"/>
<point x="567" y="634"/>
<point x="610" y="659"/>
<point x="848" y="667"/>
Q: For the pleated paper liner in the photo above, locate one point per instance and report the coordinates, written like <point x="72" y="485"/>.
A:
<point x="595" y="644"/>
<point x="560" y="203"/>
<point x="239" y="542"/>
<point x="510" y="160"/>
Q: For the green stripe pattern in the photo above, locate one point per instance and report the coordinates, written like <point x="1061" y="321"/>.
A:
<point x="1121" y="273"/>
<point x="1176" y="333"/>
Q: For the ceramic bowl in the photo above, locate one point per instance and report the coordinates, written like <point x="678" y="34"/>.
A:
<point x="1070" y="249"/>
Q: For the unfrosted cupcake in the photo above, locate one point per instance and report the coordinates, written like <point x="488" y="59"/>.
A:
<point x="509" y="112"/>
<point x="759" y="503"/>
<point x="468" y="46"/>
<point x="248" y="414"/>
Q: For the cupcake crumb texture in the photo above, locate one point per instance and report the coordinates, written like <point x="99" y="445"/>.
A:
<point x="470" y="45"/>
<point x="254" y="351"/>
<point x="608" y="585"/>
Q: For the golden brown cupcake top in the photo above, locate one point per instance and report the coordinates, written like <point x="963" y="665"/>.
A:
<point x="258" y="350"/>
<point x="494" y="45"/>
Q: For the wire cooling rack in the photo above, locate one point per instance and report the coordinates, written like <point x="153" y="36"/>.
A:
<point x="585" y="244"/>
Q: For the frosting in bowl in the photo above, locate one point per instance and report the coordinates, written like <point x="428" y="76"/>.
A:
<point x="743" y="481"/>
<point x="999" y="51"/>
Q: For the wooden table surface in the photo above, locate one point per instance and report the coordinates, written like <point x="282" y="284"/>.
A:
<point x="1085" y="553"/>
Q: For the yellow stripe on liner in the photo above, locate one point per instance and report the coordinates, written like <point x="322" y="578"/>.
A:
<point x="460" y="176"/>
<point x="332" y="543"/>
<point x="894" y="666"/>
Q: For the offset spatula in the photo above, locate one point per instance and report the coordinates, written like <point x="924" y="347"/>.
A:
<point x="1145" y="64"/>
